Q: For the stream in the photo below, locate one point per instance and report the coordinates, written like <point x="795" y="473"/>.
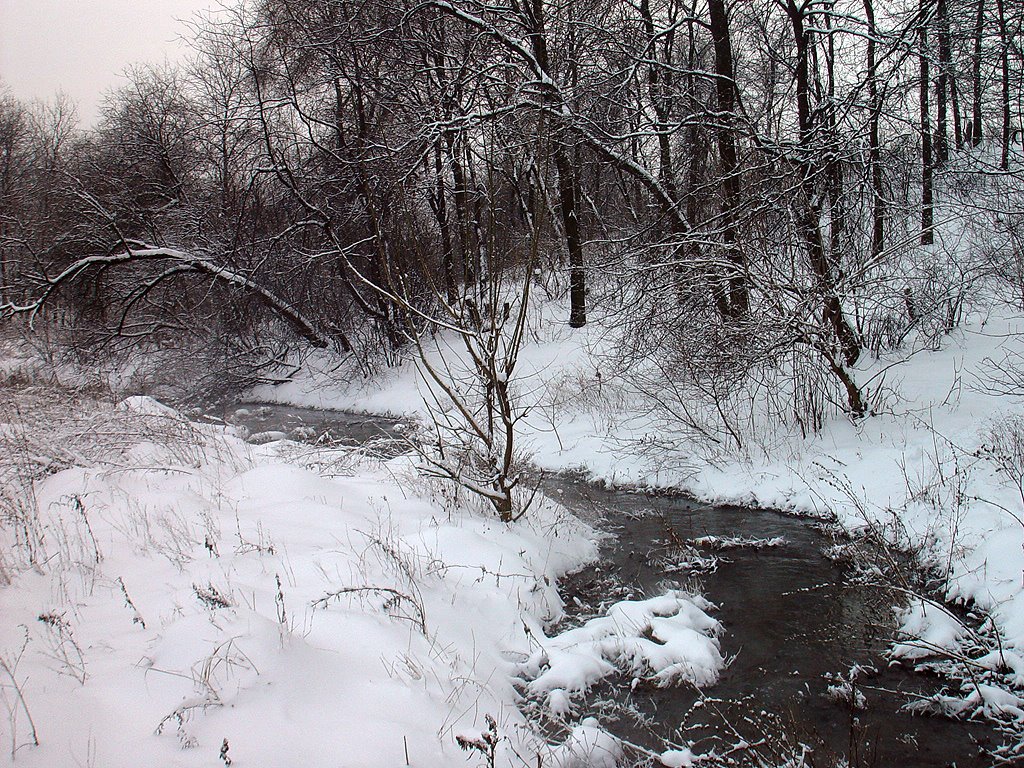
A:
<point x="793" y="620"/>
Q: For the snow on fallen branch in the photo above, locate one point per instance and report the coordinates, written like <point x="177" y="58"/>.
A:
<point x="739" y="542"/>
<point x="180" y="262"/>
<point x="395" y="599"/>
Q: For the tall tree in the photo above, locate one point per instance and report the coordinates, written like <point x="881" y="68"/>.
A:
<point x="978" y="93"/>
<point x="874" y="142"/>
<point x="737" y="303"/>
<point x="924" y="89"/>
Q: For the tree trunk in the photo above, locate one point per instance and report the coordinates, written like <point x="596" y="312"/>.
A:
<point x="874" y="144"/>
<point x="568" y="179"/>
<point x="1004" y="60"/>
<point x="725" y="89"/>
<point x="927" y="166"/>
<point x="979" y="31"/>
<point x="444" y="224"/>
<point x="659" y="88"/>
<point x="809" y="217"/>
<point x="837" y="207"/>
<point x="954" y="97"/>
<point x="942" y="87"/>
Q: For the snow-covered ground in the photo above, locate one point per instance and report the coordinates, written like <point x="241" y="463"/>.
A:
<point x="924" y="471"/>
<point x="196" y="600"/>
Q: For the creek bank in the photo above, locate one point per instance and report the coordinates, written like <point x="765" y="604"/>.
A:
<point x="807" y="639"/>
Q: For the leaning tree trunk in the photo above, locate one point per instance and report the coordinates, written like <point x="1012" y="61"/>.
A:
<point x="809" y="217"/>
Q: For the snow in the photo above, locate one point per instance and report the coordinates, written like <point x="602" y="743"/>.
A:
<point x="677" y="758"/>
<point x="209" y="591"/>
<point x="667" y="640"/>
<point x="215" y="590"/>
<point x="920" y="472"/>
<point x="739" y="542"/>
<point x="916" y="472"/>
<point x="926" y="630"/>
<point x="588" y="746"/>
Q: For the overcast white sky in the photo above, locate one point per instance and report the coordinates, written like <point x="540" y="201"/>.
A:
<point x="82" y="46"/>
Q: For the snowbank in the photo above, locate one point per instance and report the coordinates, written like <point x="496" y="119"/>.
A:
<point x="237" y="605"/>
<point x="917" y="472"/>
<point x="667" y="640"/>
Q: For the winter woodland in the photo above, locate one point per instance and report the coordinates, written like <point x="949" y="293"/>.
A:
<point x="571" y="263"/>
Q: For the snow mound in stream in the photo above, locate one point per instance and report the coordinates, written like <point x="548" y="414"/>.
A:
<point x="665" y="640"/>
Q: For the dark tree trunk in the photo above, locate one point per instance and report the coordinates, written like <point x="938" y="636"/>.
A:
<point x="927" y="166"/>
<point x="809" y="216"/>
<point x="659" y="87"/>
<point x="1004" y="60"/>
<point x="463" y="214"/>
<point x="942" y="87"/>
<point x="874" y="144"/>
<point x="979" y="31"/>
<point x="837" y="207"/>
<point x="568" y="179"/>
<point x="725" y="88"/>
<point x="954" y="98"/>
<point x="444" y="225"/>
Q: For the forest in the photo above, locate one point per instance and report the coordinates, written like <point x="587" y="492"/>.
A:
<point x="765" y="253"/>
<point x="762" y="184"/>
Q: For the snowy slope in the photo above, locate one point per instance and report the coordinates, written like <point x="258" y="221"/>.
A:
<point x="194" y="595"/>
<point x="915" y="471"/>
<point x="180" y="597"/>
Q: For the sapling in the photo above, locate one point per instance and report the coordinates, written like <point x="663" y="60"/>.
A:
<point x="65" y="649"/>
<point x="136" y="616"/>
<point x="393" y="601"/>
<point x="212" y="597"/>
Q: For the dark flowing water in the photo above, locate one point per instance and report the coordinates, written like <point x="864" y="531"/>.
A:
<point x="267" y="421"/>
<point x="793" y="620"/>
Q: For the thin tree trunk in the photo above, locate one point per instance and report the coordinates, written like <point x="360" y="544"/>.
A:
<point x="837" y="209"/>
<point x="1004" y="59"/>
<point x="444" y="224"/>
<point x="725" y="89"/>
<point x="659" y="88"/>
<point x="954" y="97"/>
<point x="809" y="217"/>
<point x="942" y="87"/>
<point x="568" y="179"/>
<point x="460" y="194"/>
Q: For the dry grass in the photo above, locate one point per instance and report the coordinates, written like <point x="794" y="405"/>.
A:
<point x="46" y="428"/>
